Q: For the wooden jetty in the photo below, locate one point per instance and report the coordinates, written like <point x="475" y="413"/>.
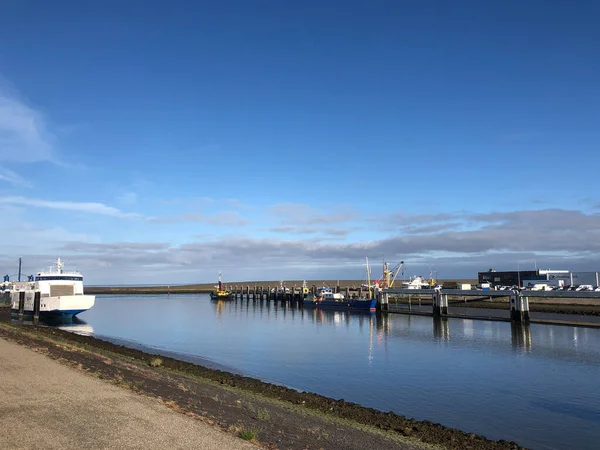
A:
<point x="280" y="293"/>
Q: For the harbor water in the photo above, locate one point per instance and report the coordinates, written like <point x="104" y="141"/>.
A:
<point x="536" y="385"/>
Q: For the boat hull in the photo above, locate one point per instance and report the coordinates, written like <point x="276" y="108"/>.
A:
<point x="65" y="306"/>
<point x="351" y="304"/>
<point x="56" y="314"/>
<point x="221" y="296"/>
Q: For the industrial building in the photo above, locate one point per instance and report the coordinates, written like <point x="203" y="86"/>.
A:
<point x="540" y="276"/>
<point x="508" y="278"/>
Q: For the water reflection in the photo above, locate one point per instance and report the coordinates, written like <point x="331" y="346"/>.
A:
<point x="441" y="329"/>
<point x="521" y="337"/>
<point x="73" y="325"/>
<point x="562" y="342"/>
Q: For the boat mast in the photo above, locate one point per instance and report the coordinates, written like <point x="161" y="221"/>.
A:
<point x="19" y="276"/>
<point x="368" y="278"/>
<point x="220" y="284"/>
<point x="59" y="265"/>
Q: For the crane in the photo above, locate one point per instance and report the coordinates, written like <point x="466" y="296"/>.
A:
<point x="389" y="276"/>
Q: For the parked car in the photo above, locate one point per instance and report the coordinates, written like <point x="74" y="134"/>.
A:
<point x="585" y="287"/>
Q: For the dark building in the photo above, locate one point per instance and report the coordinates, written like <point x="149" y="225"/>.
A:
<point x="510" y="278"/>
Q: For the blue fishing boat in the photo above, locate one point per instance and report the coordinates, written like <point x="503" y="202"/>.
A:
<point x="325" y="297"/>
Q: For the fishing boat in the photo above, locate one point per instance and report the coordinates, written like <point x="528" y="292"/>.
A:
<point x="416" y="283"/>
<point x="61" y="293"/>
<point x="325" y="297"/>
<point x="219" y="292"/>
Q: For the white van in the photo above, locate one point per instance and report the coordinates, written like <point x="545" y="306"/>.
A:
<point x="539" y="287"/>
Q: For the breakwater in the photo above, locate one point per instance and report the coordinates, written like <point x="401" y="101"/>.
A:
<point x="205" y="288"/>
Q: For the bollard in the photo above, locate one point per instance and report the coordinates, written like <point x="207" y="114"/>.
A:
<point x="440" y="303"/>
<point x="519" y="307"/>
<point x="384" y="300"/>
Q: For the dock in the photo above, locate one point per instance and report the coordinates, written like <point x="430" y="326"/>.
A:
<point x="517" y="300"/>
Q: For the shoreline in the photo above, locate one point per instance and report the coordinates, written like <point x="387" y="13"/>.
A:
<point x="132" y="368"/>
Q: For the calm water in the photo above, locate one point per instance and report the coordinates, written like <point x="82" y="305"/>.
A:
<point x="537" y="385"/>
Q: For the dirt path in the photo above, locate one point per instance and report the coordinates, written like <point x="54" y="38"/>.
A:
<point x="45" y="404"/>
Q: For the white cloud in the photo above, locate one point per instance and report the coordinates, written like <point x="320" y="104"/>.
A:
<point x="86" y="207"/>
<point x="13" y="178"/>
<point x="23" y="133"/>
<point x="555" y="238"/>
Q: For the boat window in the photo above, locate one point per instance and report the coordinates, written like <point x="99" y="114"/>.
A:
<point x="59" y="278"/>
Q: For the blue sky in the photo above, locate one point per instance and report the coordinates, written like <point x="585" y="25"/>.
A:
<point x="160" y="142"/>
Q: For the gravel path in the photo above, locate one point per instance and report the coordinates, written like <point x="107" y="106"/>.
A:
<point x="44" y="404"/>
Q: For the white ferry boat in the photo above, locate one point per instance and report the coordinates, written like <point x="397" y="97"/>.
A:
<point x="61" y="293"/>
